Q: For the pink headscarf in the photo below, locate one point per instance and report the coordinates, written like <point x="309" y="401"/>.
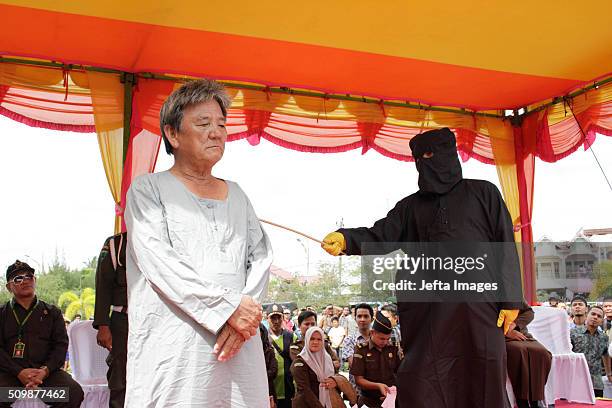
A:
<point x="319" y="362"/>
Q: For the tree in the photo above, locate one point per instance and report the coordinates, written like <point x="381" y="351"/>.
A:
<point x="327" y="288"/>
<point x="49" y="287"/>
<point x="73" y="304"/>
<point x="602" y="285"/>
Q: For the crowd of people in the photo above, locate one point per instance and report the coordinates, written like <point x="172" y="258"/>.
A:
<point x="342" y="332"/>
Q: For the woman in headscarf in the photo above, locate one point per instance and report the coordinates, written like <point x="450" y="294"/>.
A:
<point x="312" y="371"/>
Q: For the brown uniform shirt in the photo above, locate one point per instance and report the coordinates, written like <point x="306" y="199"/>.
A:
<point x="377" y="366"/>
<point x="306" y="384"/>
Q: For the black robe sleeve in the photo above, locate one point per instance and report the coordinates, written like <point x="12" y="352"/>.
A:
<point x="388" y="229"/>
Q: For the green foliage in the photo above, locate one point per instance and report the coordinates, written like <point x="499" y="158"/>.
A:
<point x="330" y="287"/>
<point x="602" y="285"/>
<point x="67" y="298"/>
<point x="83" y="304"/>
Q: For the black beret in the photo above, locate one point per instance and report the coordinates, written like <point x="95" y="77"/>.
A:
<point x="17" y="267"/>
<point x="382" y="324"/>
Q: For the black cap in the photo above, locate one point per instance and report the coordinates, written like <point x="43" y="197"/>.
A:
<point x="275" y="309"/>
<point x="382" y="324"/>
<point x="17" y="267"/>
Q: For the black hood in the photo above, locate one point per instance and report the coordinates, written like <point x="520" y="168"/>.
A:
<point x="440" y="173"/>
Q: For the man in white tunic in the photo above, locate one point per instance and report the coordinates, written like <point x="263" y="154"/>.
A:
<point x="197" y="270"/>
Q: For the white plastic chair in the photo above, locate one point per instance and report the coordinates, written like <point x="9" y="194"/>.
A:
<point x="88" y="363"/>
<point x="569" y="376"/>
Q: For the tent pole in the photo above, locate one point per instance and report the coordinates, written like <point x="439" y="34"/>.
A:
<point x="128" y="80"/>
<point x="528" y="259"/>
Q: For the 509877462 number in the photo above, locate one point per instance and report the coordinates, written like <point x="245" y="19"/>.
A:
<point x="51" y="394"/>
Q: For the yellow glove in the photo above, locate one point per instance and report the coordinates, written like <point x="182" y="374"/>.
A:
<point x="334" y="243"/>
<point x="506" y="317"/>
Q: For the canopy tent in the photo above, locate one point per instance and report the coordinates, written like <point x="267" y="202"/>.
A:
<point x="321" y="77"/>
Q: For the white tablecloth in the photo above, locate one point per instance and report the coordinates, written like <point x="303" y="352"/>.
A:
<point x="569" y="376"/>
<point x="567" y="379"/>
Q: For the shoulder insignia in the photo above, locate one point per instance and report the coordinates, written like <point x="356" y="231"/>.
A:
<point x="295" y="347"/>
<point x="299" y="364"/>
<point x="369" y="355"/>
<point x="357" y="355"/>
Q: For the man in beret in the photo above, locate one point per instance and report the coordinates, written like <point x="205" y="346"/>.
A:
<point x="375" y="363"/>
<point x="33" y="340"/>
<point x="281" y="341"/>
<point x="467" y="370"/>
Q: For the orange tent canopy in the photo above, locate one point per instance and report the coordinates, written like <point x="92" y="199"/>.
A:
<point x="475" y="55"/>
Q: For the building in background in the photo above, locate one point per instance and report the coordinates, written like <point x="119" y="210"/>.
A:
<point x="568" y="267"/>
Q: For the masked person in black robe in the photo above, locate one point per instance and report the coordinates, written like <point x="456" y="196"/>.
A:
<point x="455" y="355"/>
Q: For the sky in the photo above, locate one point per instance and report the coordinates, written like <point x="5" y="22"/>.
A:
<point x="56" y="200"/>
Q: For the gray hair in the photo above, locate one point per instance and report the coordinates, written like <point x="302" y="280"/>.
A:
<point x="191" y="93"/>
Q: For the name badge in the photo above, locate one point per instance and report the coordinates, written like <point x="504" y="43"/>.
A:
<point x="19" y="349"/>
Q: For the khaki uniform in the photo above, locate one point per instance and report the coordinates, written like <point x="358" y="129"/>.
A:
<point x="376" y="366"/>
<point x="111" y="290"/>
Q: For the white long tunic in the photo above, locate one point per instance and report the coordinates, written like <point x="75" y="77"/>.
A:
<point x="189" y="261"/>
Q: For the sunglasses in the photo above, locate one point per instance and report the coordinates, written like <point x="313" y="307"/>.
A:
<point x="18" y="280"/>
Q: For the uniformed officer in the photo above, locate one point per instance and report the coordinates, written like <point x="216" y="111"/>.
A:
<point x="33" y="340"/>
<point x="111" y="292"/>
<point x="375" y="363"/>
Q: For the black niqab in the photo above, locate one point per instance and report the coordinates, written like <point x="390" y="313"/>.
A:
<point x="439" y="173"/>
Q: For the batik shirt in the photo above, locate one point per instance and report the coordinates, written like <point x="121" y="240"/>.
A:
<point x="594" y="347"/>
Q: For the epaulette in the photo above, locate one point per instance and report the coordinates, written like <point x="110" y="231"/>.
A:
<point x="298" y="364"/>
